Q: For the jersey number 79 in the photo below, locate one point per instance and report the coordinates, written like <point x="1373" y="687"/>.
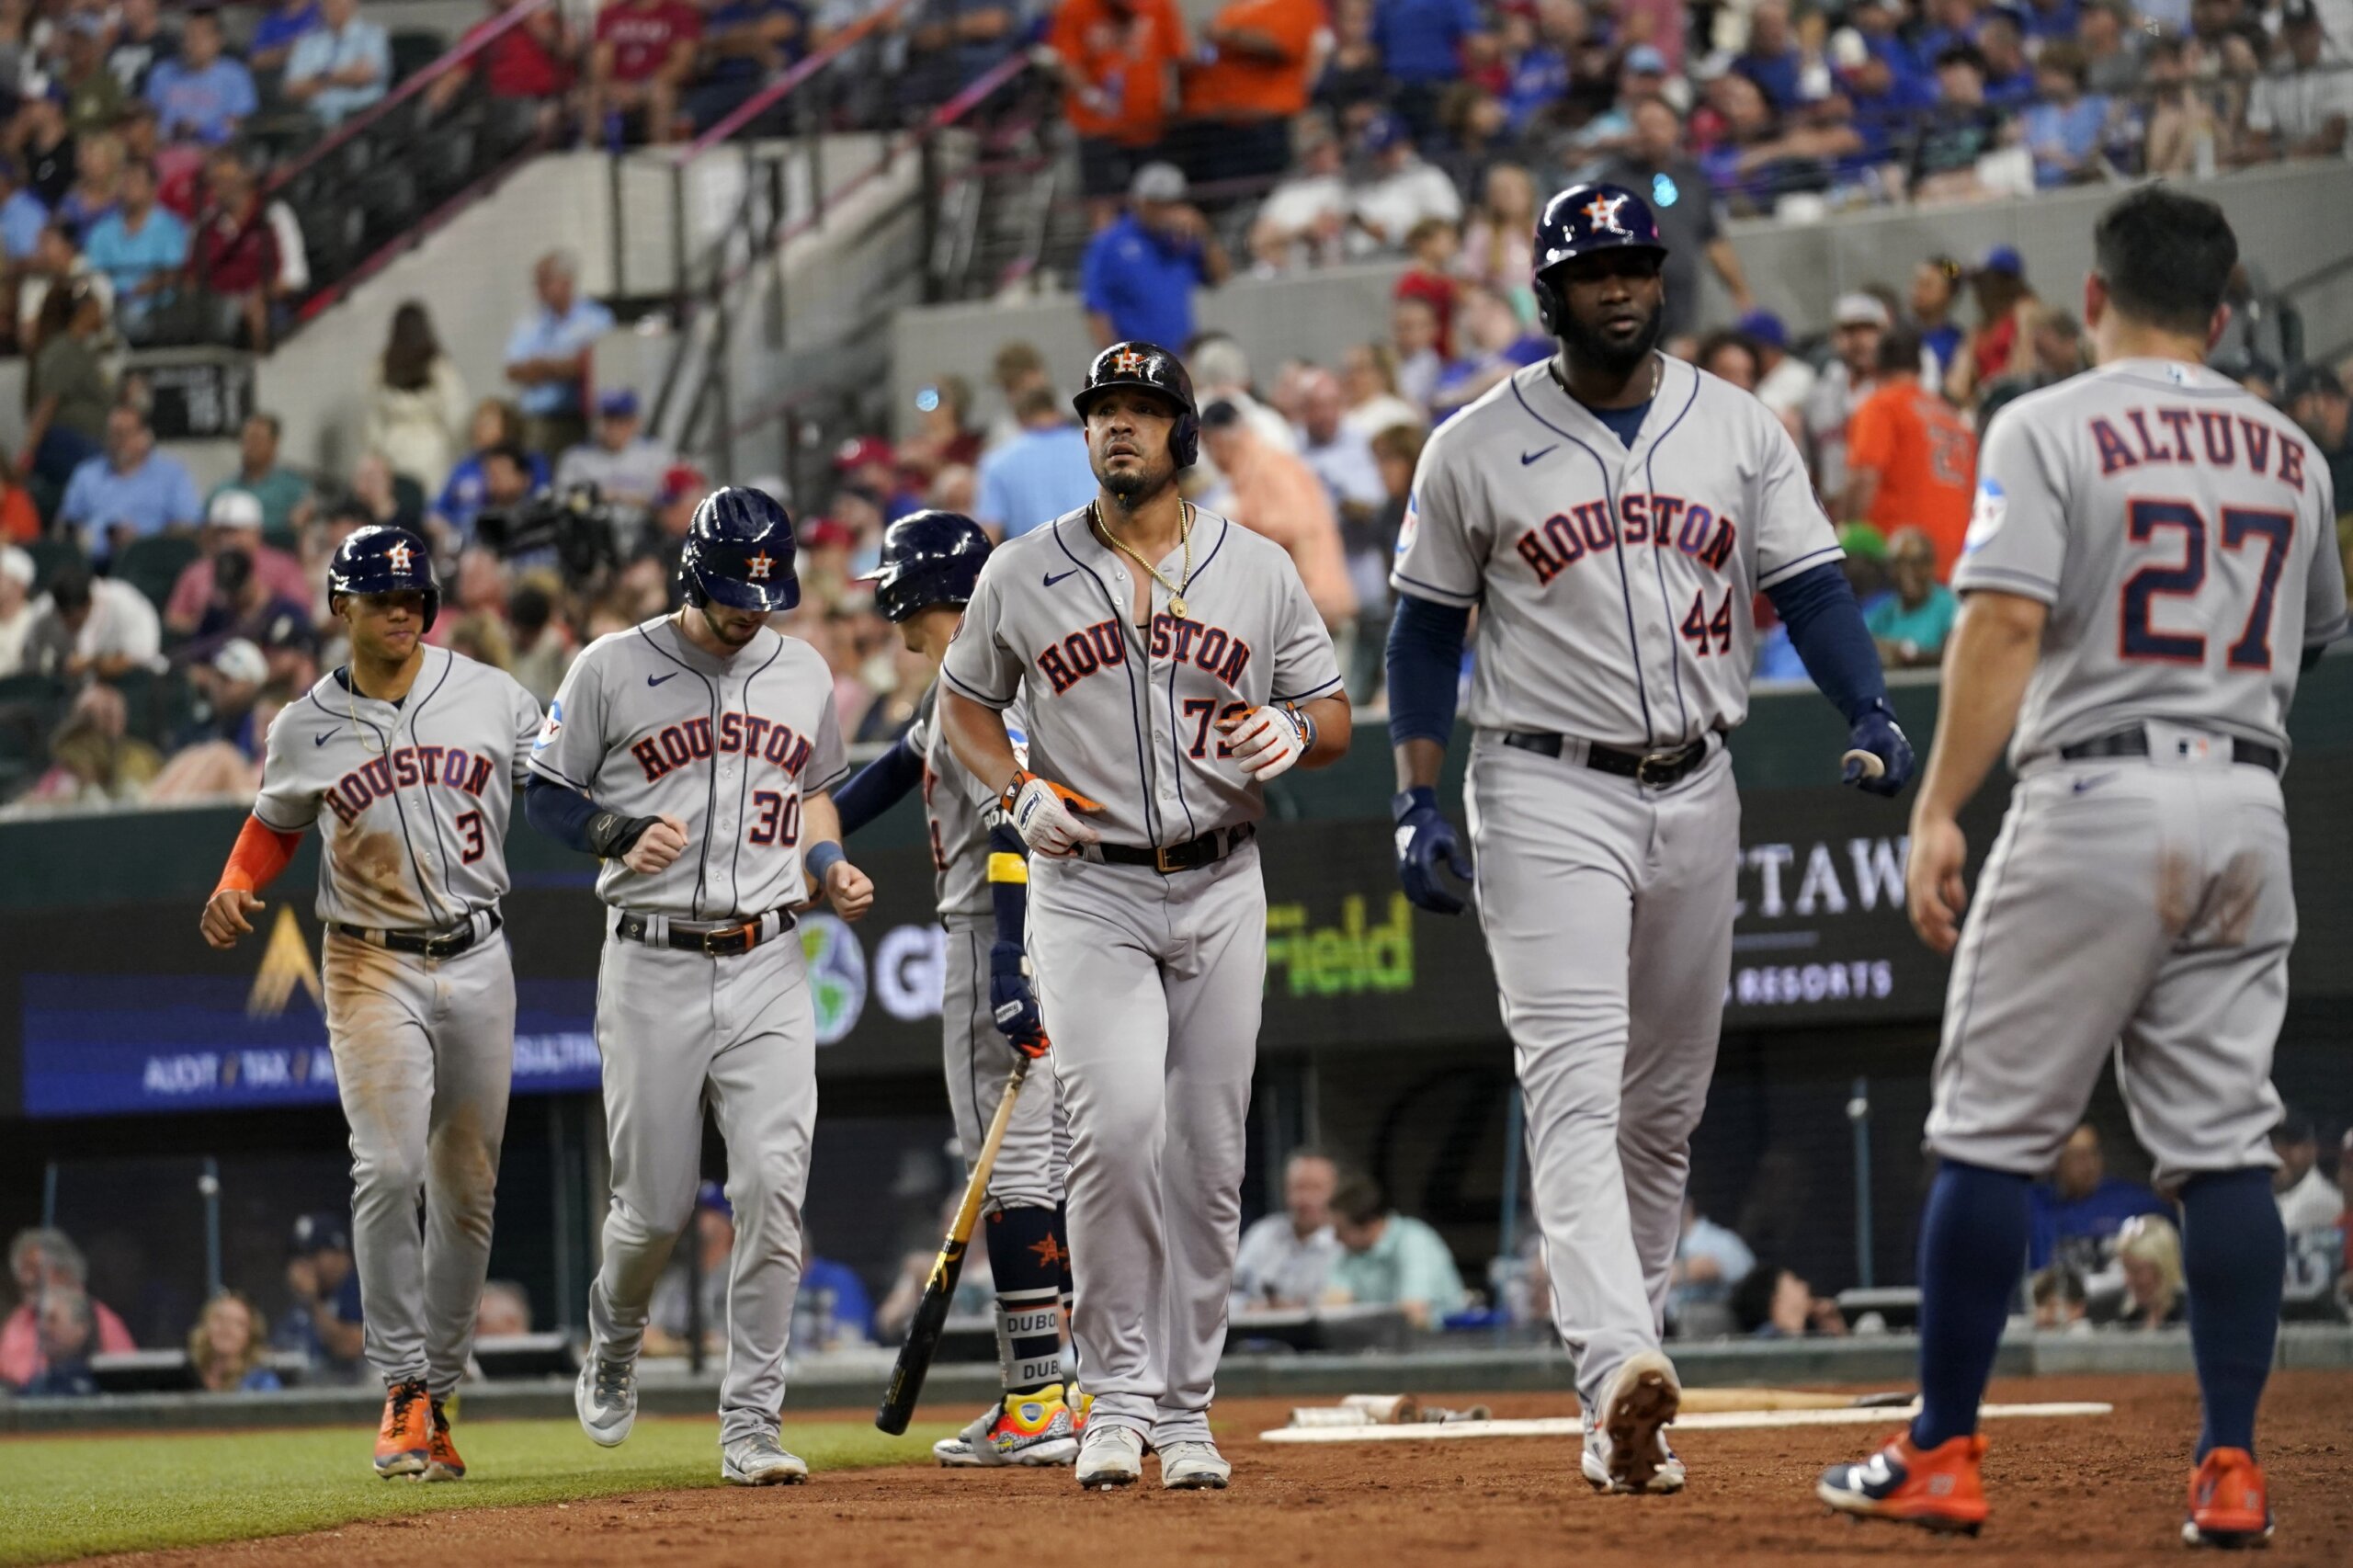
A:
<point x="2138" y="637"/>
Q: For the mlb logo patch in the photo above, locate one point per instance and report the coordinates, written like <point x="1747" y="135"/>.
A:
<point x="549" y="725"/>
<point x="1987" y="515"/>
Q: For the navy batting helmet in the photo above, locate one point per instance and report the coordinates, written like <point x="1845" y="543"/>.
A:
<point x="1586" y="219"/>
<point x="739" y="553"/>
<point x="381" y="559"/>
<point x="928" y="558"/>
<point x="1152" y="368"/>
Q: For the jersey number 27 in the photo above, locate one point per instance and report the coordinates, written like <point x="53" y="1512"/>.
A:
<point x="2138" y="637"/>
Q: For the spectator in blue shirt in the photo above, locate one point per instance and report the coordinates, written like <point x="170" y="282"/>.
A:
<point x="1946" y="24"/>
<point x="201" y="95"/>
<point x="276" y="34"/>
<point x="325" y="1322"/>
<point x="1771" y="59"/>
<point x="23" y="214"/>
<point x="140" y="246"/>
<point x="1040" y="473"/>
<point x="1421" y="41"/>
<point x="2078" y="1212"/>
<point x="2009" y="77"/>
<point x="1535" y="74"/>
<point x="2051" y="19"/>
<point x="547" y="354"/>
<point x="496" y="425"/>
<point x="341" y="66"/>
<point x="131" y="490"/>
<point x="2065" y="130"/>
<point x="1138" y="276"/>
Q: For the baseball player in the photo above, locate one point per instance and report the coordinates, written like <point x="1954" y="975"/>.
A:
<point x="692" y="755"/>
<point x="1170" y="663"/>
<point x="415" y="754"/>
<point x="1611" y="512"/>
<point x="2150" y="561"/>
<point x="930" y="562"/>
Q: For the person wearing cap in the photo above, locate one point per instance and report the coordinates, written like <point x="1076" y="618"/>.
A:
<point x="216" y="754"/>
<point x="1116" y="59"/>
<point x="1857" y="323"/>
<point x="323" y="1321"/>
<point x="233" y="526"/>
<point x="2315" y="398"/>
<point x="870" y="465"/>
<point x="1400" y="191"/>
<point x="16" y="607"/>
<point x="1690" y="218"/>
<point x="1245" y="85"/>
<point x="1996" y="345"/>
<point x="1138" y="276"/>
<point x="625" y="465"/>
<point x="2300" y="107"/>
<point x="547" y="354"/>
<point x="1784" y="380"/>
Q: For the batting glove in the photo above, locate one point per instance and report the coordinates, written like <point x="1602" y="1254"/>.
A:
<point x="1425" y="842"/>
<point x="1268" y="741"/>
<point x="1877" y="732"/>
<point x="1013" y="1004"/>
<point x="1041" y="812"/>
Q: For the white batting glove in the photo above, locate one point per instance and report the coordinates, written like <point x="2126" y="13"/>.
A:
<point x="1268" y="741"/>
<point x="1043" y="814"/>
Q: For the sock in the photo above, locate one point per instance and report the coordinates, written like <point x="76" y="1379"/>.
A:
<point x="1026" y="1254"/>
<point x="2234" y="1255"/>
<point x="1973" y="1251"/>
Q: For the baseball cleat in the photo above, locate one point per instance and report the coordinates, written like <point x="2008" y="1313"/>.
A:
<point x="1194" y="1466"/>
<point x="605" y="1396"/>
<point x="1938" y="1489"/>
<point x="2229" y="1504"/>
<point x="760" y="1460"/>
<point x="1638" y="1400"/>
<point x="1667" y="1473"/>
<point x="1111" y="1456"/>
<point x="442" y="1463"/>
<point x="405" y="1438"/>
<point x="1023" y="1428"/>
<point x="1082" y="1405"/>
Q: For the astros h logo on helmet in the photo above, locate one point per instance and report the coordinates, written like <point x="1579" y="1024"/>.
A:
<point x="759" y="565"/>
<point x="1603" y="212"/>
<point x="1128" y="363"/>
<point x="398" y="555"/>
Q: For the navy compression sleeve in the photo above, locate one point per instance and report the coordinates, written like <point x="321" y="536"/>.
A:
<point x="1425" y="669"/>
<point x="560" y="812"/>
<point x="879" y="786"/>
<point x="1827" y="629"/>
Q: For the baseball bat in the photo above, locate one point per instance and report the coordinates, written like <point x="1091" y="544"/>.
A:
<point x="1872" y="766"/>
<point x="931" y="1313"/>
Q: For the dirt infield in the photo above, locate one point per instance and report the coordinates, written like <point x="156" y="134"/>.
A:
<point x="2087" y="1493"/>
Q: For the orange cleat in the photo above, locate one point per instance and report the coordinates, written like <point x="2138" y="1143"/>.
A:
<point x="404" y="1440"/>
<point x="442" y="1463"/>
<point x="2229" y="1504"/>
<point x="1938" y="1490"/>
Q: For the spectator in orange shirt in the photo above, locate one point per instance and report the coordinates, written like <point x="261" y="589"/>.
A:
<point x="1115" y="58"/>
<point x="1277" y="494"/>
<point x="1250" y="81"/>
<point x="1911" y="458"/>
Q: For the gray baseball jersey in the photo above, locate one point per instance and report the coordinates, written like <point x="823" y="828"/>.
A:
<point x="2184" y="535"/>
<point x="420" y="791"/>
<point x="647" y="723"/>
<point x="958" y="810"/>
<point x="1614" y="582"/>
<point x="1126" y="717"/>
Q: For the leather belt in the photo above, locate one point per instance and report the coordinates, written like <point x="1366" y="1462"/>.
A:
<point x="1190" y="855"/>
<point x="722" y="940"/>
<point x="2134" y="741"/>
<point x="1655" y="769"/>
<point x="447" y="943"/>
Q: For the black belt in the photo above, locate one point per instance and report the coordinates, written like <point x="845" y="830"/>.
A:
<point x="443" y="944"/>
<point x="2135" y="742"/>
<point x="696" y="937"/>
<point x="1655" y="768"/>
<point x="1190" y="855"/>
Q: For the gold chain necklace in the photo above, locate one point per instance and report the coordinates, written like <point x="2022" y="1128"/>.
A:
<point x="1185" y="533"/>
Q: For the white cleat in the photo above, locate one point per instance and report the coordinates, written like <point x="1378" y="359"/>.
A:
<point x="760" y="1460"/>
<point x="1641" y="1397"/>
<point x="605" y="1397"/>
<point x="1111" y="1456"/>
<point x="1194" y="1466"/>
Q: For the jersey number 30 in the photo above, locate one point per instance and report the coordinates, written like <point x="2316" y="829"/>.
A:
<point x="776" y="818"/>
<point x="2137" y="638"/>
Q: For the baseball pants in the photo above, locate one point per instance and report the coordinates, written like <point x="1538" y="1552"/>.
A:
<point x="679" y="1031"/>
<point x="1151" y="987"/>
<point x="2135" y="907"/>
<point x="1029" y="1171"/>
<point x="1607" y="909"/>
<point x="423" y="1056"/>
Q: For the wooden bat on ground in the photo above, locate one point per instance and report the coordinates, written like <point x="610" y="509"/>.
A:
<point x="931" y="1313"/>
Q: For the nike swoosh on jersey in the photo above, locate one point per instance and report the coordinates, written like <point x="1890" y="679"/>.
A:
<point x="1527" y="458"/>
<point x="1053" y="577"/>
<point x="323" y="739"/>
<point x="657" y="680"/>
<point x="2085" y="786"/>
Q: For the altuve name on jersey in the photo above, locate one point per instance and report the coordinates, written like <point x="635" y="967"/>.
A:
<point x="1103" y="645"/>
<point x="2225" y="440"/>
<point x="690" y="741"/>
<point x="406" y="767"/>
<point x="1566" y="538"/>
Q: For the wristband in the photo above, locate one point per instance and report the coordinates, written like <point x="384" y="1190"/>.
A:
<point x="822" y="857"/>
<point x="1404" y="802"/>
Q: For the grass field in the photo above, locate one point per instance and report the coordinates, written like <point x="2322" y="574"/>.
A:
<point x="65" y="1497"/>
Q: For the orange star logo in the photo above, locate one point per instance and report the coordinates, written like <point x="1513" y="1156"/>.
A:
<point x="399" y="556"/>
<point x="1127" y="362"/>
<point x="759" y="565"/>
<point x="1603" y="212"/>
<point x="1050" y="1253"/>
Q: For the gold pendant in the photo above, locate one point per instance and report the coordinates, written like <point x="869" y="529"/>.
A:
<point x="1177" y="606"/>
